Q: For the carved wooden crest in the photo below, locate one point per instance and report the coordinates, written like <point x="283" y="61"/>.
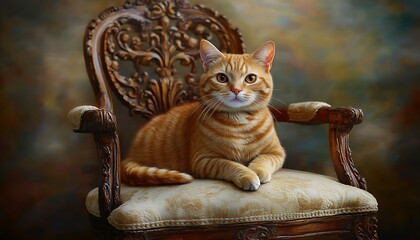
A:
<point x="147" y="50"/>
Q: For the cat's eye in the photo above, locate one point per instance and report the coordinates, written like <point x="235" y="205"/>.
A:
<point x="221" y="77"/>
<point x="251" y="78"/>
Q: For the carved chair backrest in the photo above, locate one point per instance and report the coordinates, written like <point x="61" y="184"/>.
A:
<point x="146" y="52"/>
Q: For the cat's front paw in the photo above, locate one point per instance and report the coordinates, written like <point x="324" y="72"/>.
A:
<point x="263" y="175"/>
<point x="249" y="182"/>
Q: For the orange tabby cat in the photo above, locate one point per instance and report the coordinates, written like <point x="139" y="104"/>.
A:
<point x="229" y="134"/>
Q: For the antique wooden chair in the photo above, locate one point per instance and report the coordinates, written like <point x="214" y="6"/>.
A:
<point x="159" y="38"/>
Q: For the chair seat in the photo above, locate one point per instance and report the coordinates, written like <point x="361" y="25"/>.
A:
<point x="290" y="195"/>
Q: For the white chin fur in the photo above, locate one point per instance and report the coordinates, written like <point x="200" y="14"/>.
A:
<point x="235" y="103"/>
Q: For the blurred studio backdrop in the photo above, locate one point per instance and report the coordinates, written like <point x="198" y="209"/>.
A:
<point x="345" y="52"/>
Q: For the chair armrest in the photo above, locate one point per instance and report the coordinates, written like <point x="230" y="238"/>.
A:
<point x="102" y="123"/>
<point x="313" y="113"/>
<point x="90" y="119"/>
<point x="341" y="120"/>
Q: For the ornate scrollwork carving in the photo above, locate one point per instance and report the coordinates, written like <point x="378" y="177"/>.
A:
<point x="366" y="228"/>
<point x="150" y="51"/>
<point x="255" y="233"/>
<point x="105" y="188"/>
<point x="147" y="51"/>
<point x="346" y="116"/>
<point x="109" y="189"/>
<point x="352" y="116"/>
<point x="357" y="179"/>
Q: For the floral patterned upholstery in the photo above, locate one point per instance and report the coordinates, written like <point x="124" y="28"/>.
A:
<point x="290" y="195"/>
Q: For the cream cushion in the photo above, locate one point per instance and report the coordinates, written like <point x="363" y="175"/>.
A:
<point x="290" y="195"/>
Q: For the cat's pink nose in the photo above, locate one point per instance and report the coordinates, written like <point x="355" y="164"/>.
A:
<point x="236" y="91"/>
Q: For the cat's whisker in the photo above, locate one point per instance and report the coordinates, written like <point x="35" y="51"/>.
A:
<point x="258" y="105"/>
<point x="205" y="105"/>
<point x="275" y="108"/>
<point x="273" y="98"/>
<point x="277" y="122"/>
<point x="204" y="112"/>
<point x="208" y="108"/>
<point x="216" y="108"/>
<point x="198" y="106"/>
<point x="259" y="102"/>
<point x="212" y="109"/>
<point x="201" y="104"/>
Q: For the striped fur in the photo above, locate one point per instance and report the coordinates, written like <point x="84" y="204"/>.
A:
<point x="229" y="134"/>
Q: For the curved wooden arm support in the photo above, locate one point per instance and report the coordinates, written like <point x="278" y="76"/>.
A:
<point x="341" y="120"/>
<point x="102" y="124"/>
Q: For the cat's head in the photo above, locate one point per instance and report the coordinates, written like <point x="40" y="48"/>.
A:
<point x="236" y="82"/>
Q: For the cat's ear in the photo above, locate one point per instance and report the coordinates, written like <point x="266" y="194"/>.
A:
<point x="265" y="55"/>
<point x="209" y="54"/>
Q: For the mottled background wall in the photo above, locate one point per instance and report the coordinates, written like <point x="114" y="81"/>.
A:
<point x="345" y="52"/>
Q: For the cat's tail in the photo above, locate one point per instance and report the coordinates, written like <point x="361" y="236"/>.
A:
<point x="136" y="174"/>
